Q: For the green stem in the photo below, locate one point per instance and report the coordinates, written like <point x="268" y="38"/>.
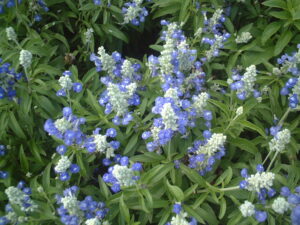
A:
<point x="221" y="189"/>
<point x="272" y="161"/>
<point x="266" y="157"/>
<point x="284" y="116"/>
<point x="229" y="188"/>
<point x="169" y="151"/>
<point x="69" y="99"/>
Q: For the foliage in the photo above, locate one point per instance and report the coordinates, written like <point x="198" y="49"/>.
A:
<point x="144" y="112"/>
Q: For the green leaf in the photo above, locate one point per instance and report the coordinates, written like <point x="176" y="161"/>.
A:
<point x="124" y="209"/>
<point x="193" y="213"/>
<point x="281" y="15"/>
<point x="175" y="191"/>
<point x="46" y="177"/>
<point x="253" y="127"/>
<point x="103" y="188"/>
<point x="275" y="3"/>
<point x="132" y="142"/>
<point x="23" y="160"/>
<point x="270" y="29"/>
<point x="36" y="151"/>
<point x="222" y="208"/>
<point x="114" y="31"/>
<point x="283" y="40"/>
<point x="193" y="175"/>
<point x="14" y="125"/>
<point x="244" y="144"/>
<point x="156" y="173"/>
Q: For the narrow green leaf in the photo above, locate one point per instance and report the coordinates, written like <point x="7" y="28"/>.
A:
<point x="283" y="40"/>
<point x="253" y="127"/>
<point x="275" y="3"/>
<point x="175" y="191"/>
<point x="270" y="29"/>
<point x="124" y="209"/>
<point x="14" y="125"/>
<point x="23" y="160"/>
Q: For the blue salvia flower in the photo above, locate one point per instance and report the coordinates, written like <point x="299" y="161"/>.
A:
<point x="97" y="2"/>
<point x="121" y="175"/>
<point x="101" y="143"/>
<point x="75" y="212"/>
<point x="182" y="80"/>
<point x="66" y="128"/>
<point x="181" y="217"/>
<point x="18" y="196"/>
<point x="64" y="168"/>
<point x="7" y="4"/>
<point x="261" y="182"/>
<point x="8" y="78"/>
<point x="67" y="84"/>
<point x="288" y="201"/>
<point x="121" y="83"/>
<point x="244" y="85"/>
<point x="36" y="7"/>
<point x="213" y="34"/>
<point x="134" y="13"/>
<point x="290" y="64"/>
<point x="204" y="154"/>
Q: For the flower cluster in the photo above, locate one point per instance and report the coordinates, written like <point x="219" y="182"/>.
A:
<point x="66" y="128"/>
<point x="66" y="84"/>
<point x="75" y="212"/>
<point x="244" y="85"/>
<point x="8" y="78"/>
<point x="181" y="217"/>
<point x="290" y="64"/>
<point x="286" y="202"/>
<point x="11" y="34"/>
<point x="99" y="143"/>
<point x="134" y="13"/>
<point x="19" y="197"/>
<point x="280" y="140"/>
<point x="261" y="182"/>
<point x="8" y="4"/>
<point x="215" y="37"/>
<point x="204" y="154"/>
<point x="36" y="6"/>
<point x="182" y="83"/>
<point x="121" y="175"/>
<point x="243" y="38"/>
<point x="121" y="83"/>
<point x="289" y="200"/>
<point x="64" y="166"/>
<point x="25" y="58"/>
<point x="248" y="209"/>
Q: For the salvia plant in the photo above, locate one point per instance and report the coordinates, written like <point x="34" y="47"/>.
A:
<point x="135" y="112"/>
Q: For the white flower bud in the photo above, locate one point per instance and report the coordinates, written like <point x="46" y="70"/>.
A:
<point x="213" y="145"/>
<point x="65" y="82"/>
<point x="25" y="58"/>
<point x="200" y="102"/>
<point x="279" y="142"/>
<point x="243" y="38"/>
<point x="124" y="175"/>
<point x="239" y="111"/>
<point x="11" y="34"/>
<point x="247" y="209"/>
<point x="280" y="205"/>
<point x="63" y="164"/>
<point x="260" y="180"/>
<point x="169" y="117"/>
